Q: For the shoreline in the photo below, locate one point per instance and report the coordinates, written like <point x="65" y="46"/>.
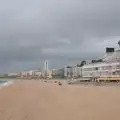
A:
<point x="66" y="82"/>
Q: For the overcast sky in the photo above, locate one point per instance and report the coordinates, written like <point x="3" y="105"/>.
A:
<point x="60" y="31"/>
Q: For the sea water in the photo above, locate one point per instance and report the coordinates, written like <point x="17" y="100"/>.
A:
<point x="5" y="83"/>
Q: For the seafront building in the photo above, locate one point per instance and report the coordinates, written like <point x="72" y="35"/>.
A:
<point x="72" y="71"/>
<point x="31" y="74"/>
<point x="13" y="74"/>
<point x="58" y="73"/>
<point x="107" y="66"/>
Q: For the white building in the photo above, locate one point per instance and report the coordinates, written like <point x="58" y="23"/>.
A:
<point x="31" y="73"/>
<point x="72" y="72"/>
<point x="13" y="74"/>
<point x="109" y="65"/>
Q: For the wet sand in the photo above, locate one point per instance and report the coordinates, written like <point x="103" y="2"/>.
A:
<point x="35" y="100"/>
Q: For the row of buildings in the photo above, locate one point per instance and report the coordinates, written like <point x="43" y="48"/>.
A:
<point x="32" y="74"/>
<point x="106" y="66"/>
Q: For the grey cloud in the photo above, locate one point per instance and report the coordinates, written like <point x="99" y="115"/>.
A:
<point x="61" y="31"/>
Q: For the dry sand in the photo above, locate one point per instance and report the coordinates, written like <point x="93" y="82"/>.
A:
<point x="35" y="100"/>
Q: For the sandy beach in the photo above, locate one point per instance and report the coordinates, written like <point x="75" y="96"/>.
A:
<point x="35" y="100"/>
